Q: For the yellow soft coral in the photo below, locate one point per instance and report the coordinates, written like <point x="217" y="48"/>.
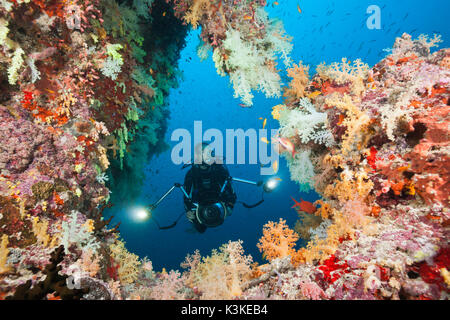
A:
<point x="223" y="274"/>
<point x="89" y="225"/>
<point x="325" y="210"/>
<point x="40" y="230"/>
<point x="102" y="158"/>
<point x="356" y="122"/>
<point x="4" y="251"/>
<point x="277" y="241"/>
<point x="276" y="111"/>
<point x="128" y="262"/>
<point x="347" y="188"/>
<point x="196" y="11"/>
<point x="321" y="249"/>
<point x="346" y="72"/>
<point x="446" y="275"/>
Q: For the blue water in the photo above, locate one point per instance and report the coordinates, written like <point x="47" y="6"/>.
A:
<point x="325" y="31"/>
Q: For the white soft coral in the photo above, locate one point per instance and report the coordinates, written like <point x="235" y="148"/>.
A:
<point x="305" y="122"/>
<point x="75" y="232"/>
<point x="251" y="62"/>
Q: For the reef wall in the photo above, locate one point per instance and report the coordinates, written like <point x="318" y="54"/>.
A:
<point x="82" y="107"/>
<point x="374" y="142"/>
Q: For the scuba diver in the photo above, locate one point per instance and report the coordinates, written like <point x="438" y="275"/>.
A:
<point x="208" y="193"/>
<point x="208" y="183"/>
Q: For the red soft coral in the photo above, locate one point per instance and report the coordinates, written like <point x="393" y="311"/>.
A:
<point x="333" y="269"/>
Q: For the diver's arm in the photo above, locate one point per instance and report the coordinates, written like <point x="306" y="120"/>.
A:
<point x="228" y="195"/>
<point x="188" y="185"/>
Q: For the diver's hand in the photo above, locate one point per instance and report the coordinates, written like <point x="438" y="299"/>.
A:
<point x="190" y="215"/>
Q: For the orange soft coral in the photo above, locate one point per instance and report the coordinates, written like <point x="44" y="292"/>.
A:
<point x="299" y="82"/>
<point x="277" y="241"/>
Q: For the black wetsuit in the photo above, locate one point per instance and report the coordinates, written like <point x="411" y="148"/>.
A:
<point x="205" y="185"/>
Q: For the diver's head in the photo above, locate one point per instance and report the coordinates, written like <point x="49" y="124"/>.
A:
<point x="204" y="155"/>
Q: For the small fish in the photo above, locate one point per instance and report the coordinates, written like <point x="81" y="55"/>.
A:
<point x="299" y="9"/>
<point x="314" y="94"/>
<point x="305" y="206"/>
<point x="276" y="3"/>
<point x="164" y="14"/>
<point x="264" y="123"/>
<point x="247" y="17"/>
<point x="429" y="216"/>
<point x="275" y="166"/>
<point x="244" y="105"/>
<point x="264" y="139"/>
<point x="287" y="144"/>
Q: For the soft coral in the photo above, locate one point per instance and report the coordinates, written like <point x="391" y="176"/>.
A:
<point x="277" y="241"/>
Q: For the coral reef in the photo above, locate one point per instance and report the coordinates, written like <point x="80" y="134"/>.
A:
<point x="245" y="49"/>
<point x="82" y="88"/>
<point x="382" y="224"/>
<point x="82" y="108"/>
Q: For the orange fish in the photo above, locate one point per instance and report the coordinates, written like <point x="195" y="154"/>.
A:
<point x="287" y="144"/>
<point x="263" y="139"/>
<point x="275" y="166"/>
<point x="430" y="216"/>
<point x="247" y="17"/>
<point x="275" y="3"/>
<point x="264" y="123"/>
<point x="52" y="296"/>
<point x="298" y="8"/>
<point x="305" y="206"/>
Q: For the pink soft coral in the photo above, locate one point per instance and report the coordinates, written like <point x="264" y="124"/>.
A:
<point x="312" y="291"/>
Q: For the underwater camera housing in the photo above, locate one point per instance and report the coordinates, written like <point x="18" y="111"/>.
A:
<point x="211" y="215"/>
